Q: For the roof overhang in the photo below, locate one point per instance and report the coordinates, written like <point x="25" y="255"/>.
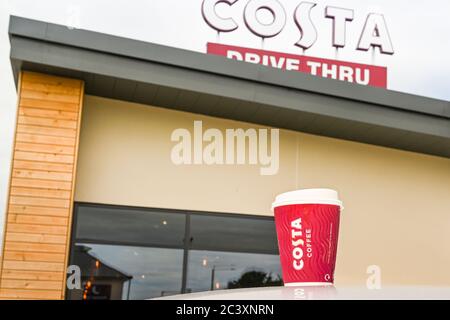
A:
<point x="147" y="73"/>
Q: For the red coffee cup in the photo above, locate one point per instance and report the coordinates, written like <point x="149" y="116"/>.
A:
<point x="307" y="224"/>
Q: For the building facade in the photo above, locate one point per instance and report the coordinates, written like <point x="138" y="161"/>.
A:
<point x="93" y="184"/>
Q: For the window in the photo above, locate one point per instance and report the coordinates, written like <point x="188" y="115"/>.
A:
<point x="130" y="226"/>
<point x="135" y="253"/>
<point x="232" y="252"/>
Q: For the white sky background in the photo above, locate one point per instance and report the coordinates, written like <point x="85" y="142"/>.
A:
<point x="419" y="30"/>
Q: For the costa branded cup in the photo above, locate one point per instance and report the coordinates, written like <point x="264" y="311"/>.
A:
<point x="307" y="224"/>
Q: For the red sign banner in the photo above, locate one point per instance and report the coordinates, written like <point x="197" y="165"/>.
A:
<point x="363" y="74"/>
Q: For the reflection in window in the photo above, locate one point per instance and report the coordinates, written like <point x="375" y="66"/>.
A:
<point x="130" y="225"/>
<point x="233" y="233"/>
<point x="111" y="272"/>
<point x="213" y="270"/>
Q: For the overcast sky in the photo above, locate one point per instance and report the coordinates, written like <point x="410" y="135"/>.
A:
<point x="419" y="31"/>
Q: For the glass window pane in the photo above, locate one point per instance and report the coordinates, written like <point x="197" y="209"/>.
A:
<point x="228" y="233"/>
<point x="128" y="253"/>
<point x="130" y="226"/>
<point x="230" y="270"/>
<point x="126" y="272"/>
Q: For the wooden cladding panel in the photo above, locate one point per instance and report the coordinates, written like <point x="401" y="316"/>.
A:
<point x="32" y="210"/>
<point x="15" y="294"/>
<point x="41" y="220"/>
<point x="43" y="166"/>
<point x="45" y="113"/>
<point x="35" y="247"/>
<point x="49" y="122"/>
<point x="47" y="193"/>
<point x="61" y="141"/>
<point x="33" y="275"/>
<point x="37" y="231"/>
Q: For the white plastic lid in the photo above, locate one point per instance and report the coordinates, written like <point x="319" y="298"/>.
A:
<point x="305" y="196"/>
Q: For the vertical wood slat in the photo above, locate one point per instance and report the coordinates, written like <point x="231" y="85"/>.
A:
<point x="40" y="201"/>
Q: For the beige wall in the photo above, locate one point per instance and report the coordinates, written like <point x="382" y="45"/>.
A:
<point x="397" y="204"/>
<point x="125" y="159"/>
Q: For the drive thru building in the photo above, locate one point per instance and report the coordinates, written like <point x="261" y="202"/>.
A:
<point x="93" y="183"/>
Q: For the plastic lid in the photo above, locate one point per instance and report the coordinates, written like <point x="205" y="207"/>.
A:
<point x="305" y="196"/>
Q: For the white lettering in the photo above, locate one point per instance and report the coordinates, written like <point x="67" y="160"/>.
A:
<point x="375" y="34"/>
<point x="198" y="142"/>
<point x="261" y="29"/>
<point x="213" y="20"/>
<point x="181" y="152"/>
<point x="298" y="264"/>
<point x="297" y="252"/>
<point x="252" y="58"/>
<point x="292" y="64"/>
<point x="239" y="135"/>
<point x="340" y="16"/>
<point x="332" y="71"/>
<point x="358" y="78"/>
<point x="277" y="64"/>
<point x="213" y="152"/>
<point x="302" y="18"/>
<point x="188" y="310"/>
<point x="314" y="66"/>
<point x="374" y="280"/>
<point x="271" y="162"/>
<point x="234" y="55"/>
<point x="249" y="146"/>
<point x="346" y="73"/>
<point x="74" y="277"/>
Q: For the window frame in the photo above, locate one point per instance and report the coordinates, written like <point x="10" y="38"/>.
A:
<point x="187" y="237"/>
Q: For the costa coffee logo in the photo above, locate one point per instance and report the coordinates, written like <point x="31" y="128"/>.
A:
<point x="300" y="240"/>
<point x="373" y="34"/>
